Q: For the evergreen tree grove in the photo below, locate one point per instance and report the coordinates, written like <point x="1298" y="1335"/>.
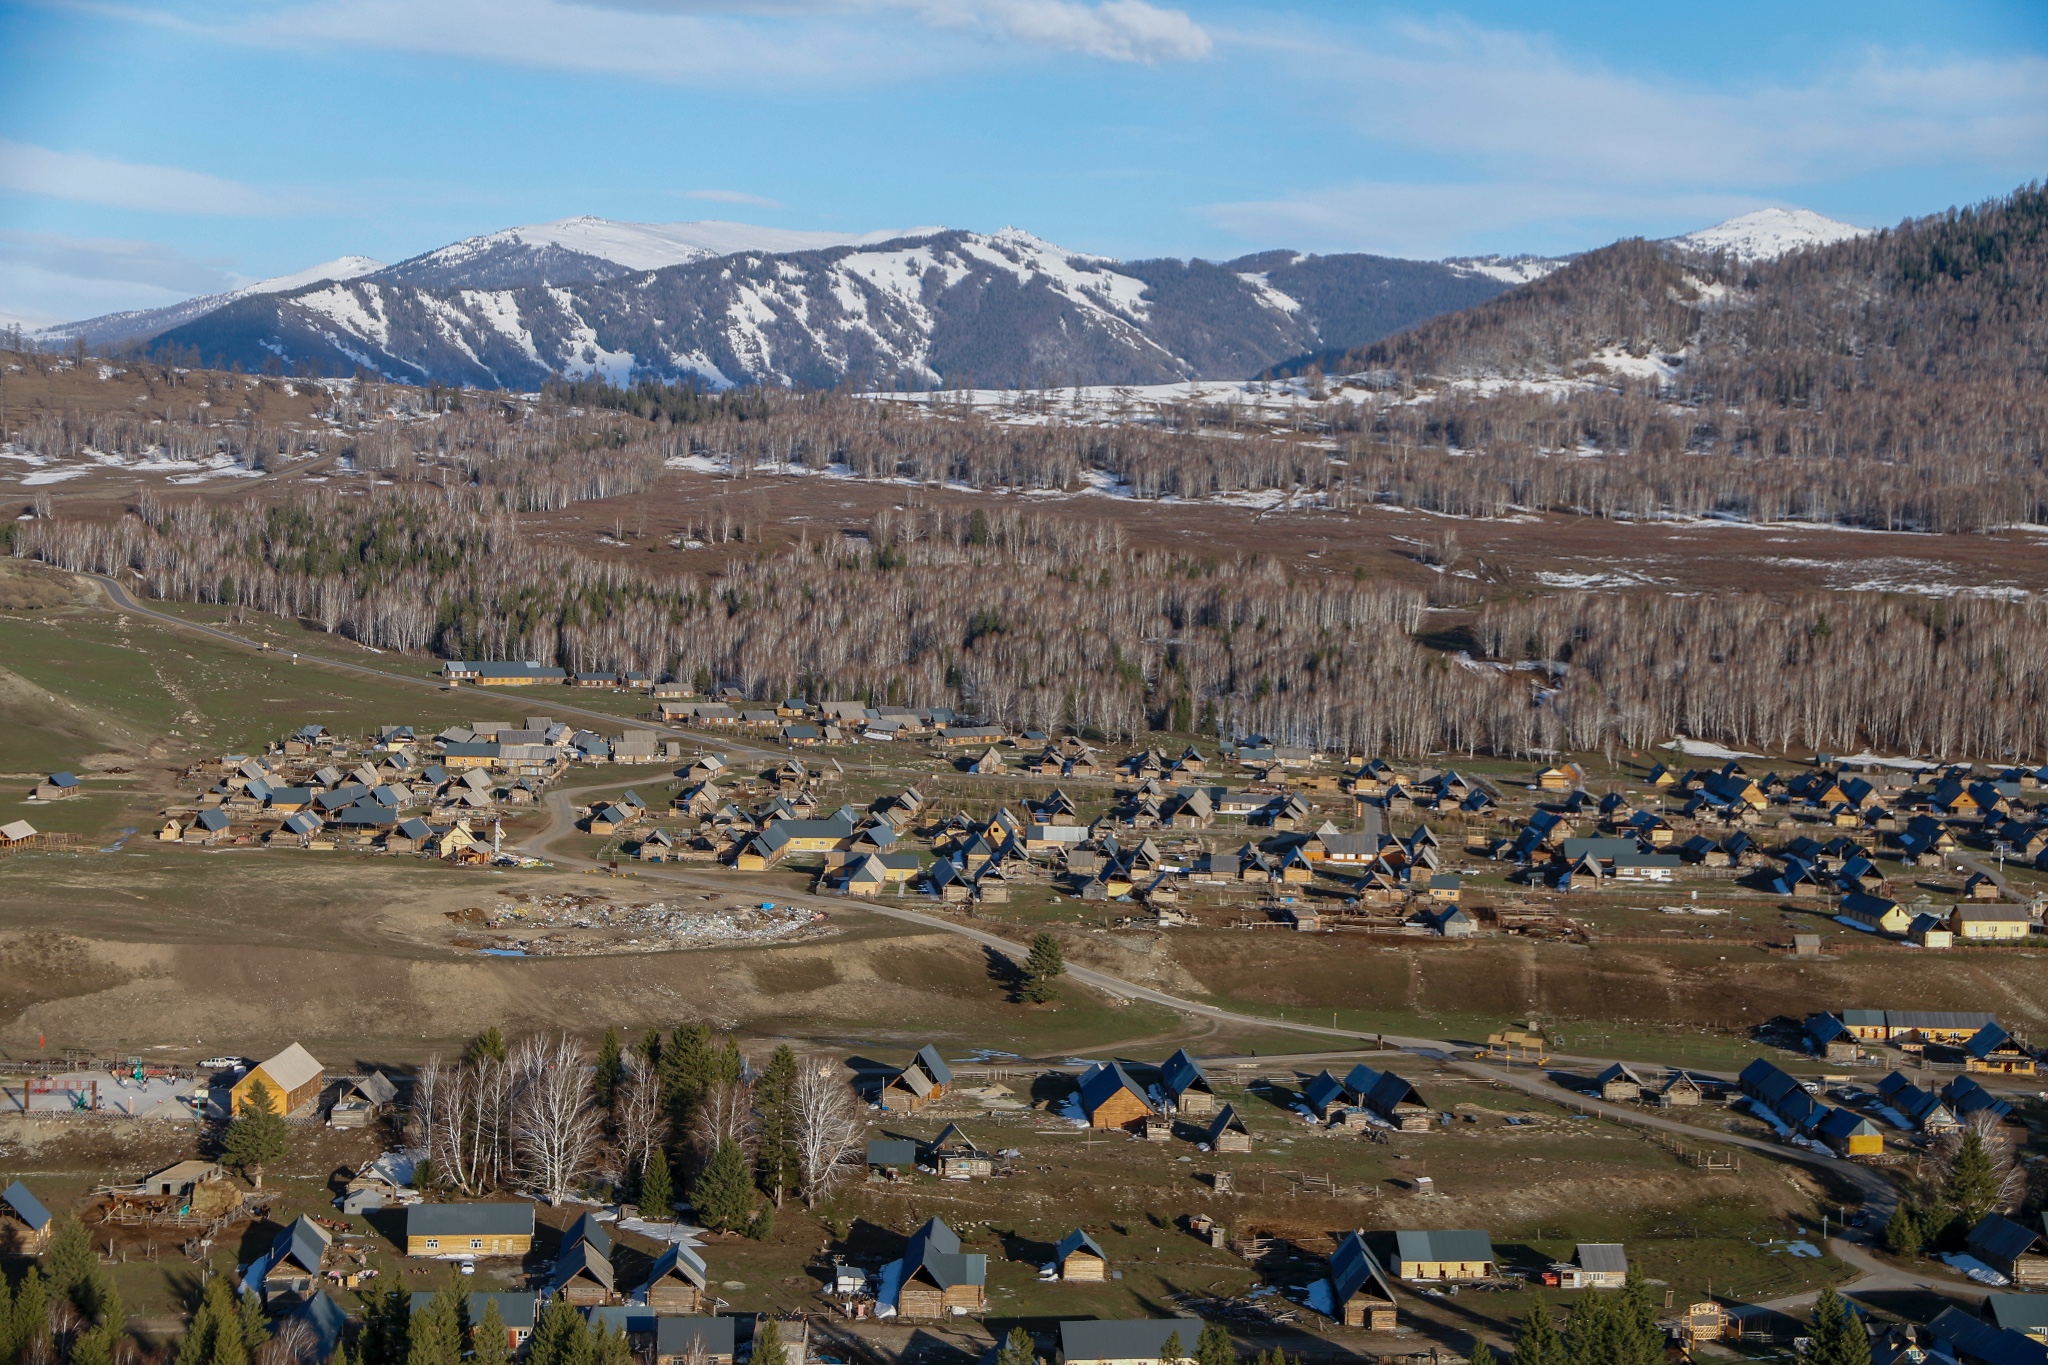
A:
<point x="1537" y="1343"/>
<point x="489" y="1342"/>
<point x="1214" y="1346"/>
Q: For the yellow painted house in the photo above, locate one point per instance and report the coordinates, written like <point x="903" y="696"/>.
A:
<point x="1454" y="1255"/>
<point x="1986" y="923"/>
<point x="292" y="1077"/>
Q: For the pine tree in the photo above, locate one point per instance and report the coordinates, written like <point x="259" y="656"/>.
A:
<point x="97" y="1346"/>
<point x="557" y="1337"/>
<point x="255" y="1326"/>
<point x="257" y="1137"/>
<point x="1018" y="1349"/>
<point x="610" y="1347"/>
<point x="1902" y="1232"/>
<point x="761" y="1226"/>
<point x="685" y="1072"/>
<point x="387" y="1328"/>
<point x="1481" y="1353"/>
<point x="1214" y="1347"/>
<point x="489" y="1344"/>
<point x="1838" y="1335"/>
<point x="768" y="1344"/>
<point x="70" y="1264"/>
<point x="6" y="1320"/>
<point x="727" y="1064"/>
<point x="1045" y="964"/>
<point x="436" y="1334"/>
<point x="1971" y="1188"/>
<point x="486" y="1046"/>
<point x="31" y="1313"/>
<point x="1172" y="1353"/>
<point x="657" y="1191"/>
<point x="1538" y="1343"/>
<point x="1641" y="1336"/>
<point x="724" y="1195"/>
<point x="611" y="1064"/>
<point x="775" y="1157"/>
<point x="1589" y="1335"/>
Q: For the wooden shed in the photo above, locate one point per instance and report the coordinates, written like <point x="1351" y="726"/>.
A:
<point x="360" y="1100"/>
<point x="1680" y="1092"/>
<point x="1227" y="1132"/>
<point x="1187" y="1086"/>
<point x="25" y="1225"/>
<point x="1079" y="1258"/>
<point x="920" y="1082"/>
<point x="1360" y="1291"/>
<point x="955" y="1157"/>
<point x="290" y="1272"/>
<point x="583" y="1276"/>
<point x="1618" y="1082"/>
<point x="681" y="1340"/>
<point x="677" y="1281"/>
<point x="292" y="1077"/>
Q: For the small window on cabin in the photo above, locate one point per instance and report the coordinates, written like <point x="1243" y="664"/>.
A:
<point x="476" y="1243"/>
<point x="433" y="1244"/>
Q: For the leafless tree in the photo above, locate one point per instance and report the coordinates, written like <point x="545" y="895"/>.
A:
<point x="725" y="1114"/>
<point x="292" y="1343"/>
<point x="638" y="1118"/>
<point x="555" y="1129"/>
<point x="828" y="1126"/>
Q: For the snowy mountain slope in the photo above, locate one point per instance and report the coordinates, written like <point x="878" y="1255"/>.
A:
<point x="585" y="250"/>
<point x="1507" y="269"/>
<point x="947" y="306"/>
<point x="1770" y="233"/>
<point x="110" y="328"/>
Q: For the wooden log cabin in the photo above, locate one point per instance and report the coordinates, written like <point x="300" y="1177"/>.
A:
<point x="2012" y="1249"/>
<point x="677" y="1281"/>
<point x="1618" y="1082"/>
<point x="1391" y="1097"/>
<point x="1080" y="1259"/>
<point x="1187" y="1086"/>
<point x="292" y="1077"/>
<point x="290" y="1272"/>
<point x="583" y="1276"/>
<point x="924" y="1079"/>
<point x="937" y="1277"/>
<point x="1111" y="1099"/>
<point x="25" y="1225"/>
<point x="955" y="1157"/>
<point x="464" y="1230"/>
<point x="1360" y="1292"/>
<point x="1227" y="1132"/>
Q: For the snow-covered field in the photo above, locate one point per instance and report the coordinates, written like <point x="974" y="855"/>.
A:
<point x="37" y="470"/>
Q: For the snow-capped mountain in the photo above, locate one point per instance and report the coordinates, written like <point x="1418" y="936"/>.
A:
<point x="1770" y="233"/>
<point x="147" y="322"/>
<point x="508" y="309"/>
<point x="584" y="250"/>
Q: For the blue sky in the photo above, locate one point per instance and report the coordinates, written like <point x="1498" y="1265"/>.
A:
<point x="153" y="149"/>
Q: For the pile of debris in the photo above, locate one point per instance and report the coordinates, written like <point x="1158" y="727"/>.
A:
<point x="573" y="924"/>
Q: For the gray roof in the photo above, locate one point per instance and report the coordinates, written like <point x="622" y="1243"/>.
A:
<point x="1353" y="1266"/>
<point x="515" y="1310"/>
<point x="469" y="1220"/>
<point x="935" y="1250"/>
<point x="588" y="1229"/>
<point x="1455" y="1245"/>
<point x="892" y="1152"/>
<point x="1182" y="1073"/>
<point x="2018" y="1312"/>
<point x="2001" y="1238"/>
<point x="27" y="1206"/>
<point x="1608" y="1257"/>
<point x="1126" y="1338"/>
<point x="680" y="1260"/>
<point x="1077" y="1240"/>
<point x="326" y="1320"/>
<point x="581" y="1259"/>
<point x="303" y="1243"/>
<point x="674" y="1336"/>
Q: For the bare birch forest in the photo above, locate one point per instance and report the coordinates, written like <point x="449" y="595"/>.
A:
<point x="1046" y="622"/>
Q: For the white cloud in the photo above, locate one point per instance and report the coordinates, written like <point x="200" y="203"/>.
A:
<point x="101" y="180"/>
<point x="1519" y="135"/>
<point x="115" y="260"/>
<point x="734" y="197"/>
<point x="722" y="43"/>
<point x="1119" y="30"/>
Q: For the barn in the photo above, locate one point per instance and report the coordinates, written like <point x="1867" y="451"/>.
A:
<point x="677" y="1281"/>
<point x="292" y="1077"/>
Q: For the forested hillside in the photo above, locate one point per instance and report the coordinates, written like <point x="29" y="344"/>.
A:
<point x="1902" y="375"/>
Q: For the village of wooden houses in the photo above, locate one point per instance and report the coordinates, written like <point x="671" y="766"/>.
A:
<point x="1348" y="1193"/>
